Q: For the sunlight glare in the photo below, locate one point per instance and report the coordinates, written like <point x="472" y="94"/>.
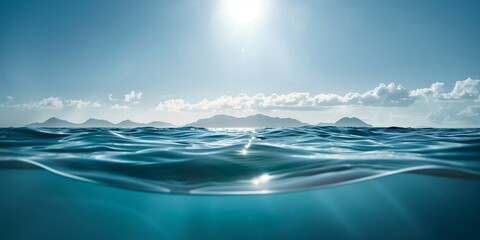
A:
<point x="244" y="11"/>
<point x="262" y="179"/>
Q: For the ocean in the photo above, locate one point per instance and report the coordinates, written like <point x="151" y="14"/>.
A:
<point x="281" y="183"/>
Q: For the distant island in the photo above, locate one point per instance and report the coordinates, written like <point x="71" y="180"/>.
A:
<point x="259" y="120"/>
<point x="347" y="122"/>
<point x="217" y="121"/>
<point x="253" y="121"/>
<point x="92" y="122"/>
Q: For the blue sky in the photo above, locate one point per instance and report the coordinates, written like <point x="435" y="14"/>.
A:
<point x="64" y="58"/>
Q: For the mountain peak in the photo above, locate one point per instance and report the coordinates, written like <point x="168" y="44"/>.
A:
<point x="95" y="120"/>
<point x="52" y="119"/>
<point x="127" y="121"/>
<point x="159" y="124"/>
<point x="346" y="122"/>
<point x="129" y="124"/>
<point x="351" y="122"/>
<point x="53" y="122"/>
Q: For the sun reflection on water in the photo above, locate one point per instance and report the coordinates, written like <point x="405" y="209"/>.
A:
<point x="264" y="178"/>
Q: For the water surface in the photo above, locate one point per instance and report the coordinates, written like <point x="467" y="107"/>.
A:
<point x="240" y="161"/>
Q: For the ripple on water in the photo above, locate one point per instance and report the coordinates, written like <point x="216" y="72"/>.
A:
<point x="240" y="161"/>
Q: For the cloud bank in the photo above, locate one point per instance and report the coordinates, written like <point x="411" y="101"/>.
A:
<point x="384" y="95"/>
<point x="77" y="103"/>
<point x="458" y="106"/>
<point x="46" y="103"/>
<point x="57" y="103"/>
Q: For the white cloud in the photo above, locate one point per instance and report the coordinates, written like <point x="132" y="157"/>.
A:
<point x="466" y="89"/>
<point x="173" y="105"/>
<point x="47" y="103"/>
<point x="132" y="96"/>
<point x="434" y="91"/>
<point x="387" y="96"/>
<point x="96" y="105"/>
<point x="77" y="103"/>
<point x="118" y="106"/>
<point x="9" y="98"/>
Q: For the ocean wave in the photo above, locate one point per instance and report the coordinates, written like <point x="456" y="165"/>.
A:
<point x="240" y="161"/>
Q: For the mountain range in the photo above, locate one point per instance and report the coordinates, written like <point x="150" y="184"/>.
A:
<point x="92" y="122"/>
<point x="217" y="121"/>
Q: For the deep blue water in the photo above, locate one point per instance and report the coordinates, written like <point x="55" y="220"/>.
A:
<point x="193" y="183"/>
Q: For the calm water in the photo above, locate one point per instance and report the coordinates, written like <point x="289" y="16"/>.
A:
<point x="194" y="183"/>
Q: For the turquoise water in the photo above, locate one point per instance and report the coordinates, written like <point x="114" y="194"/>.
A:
<point x="187" y="183"/>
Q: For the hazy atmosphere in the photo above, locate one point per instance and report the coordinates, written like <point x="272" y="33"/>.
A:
<point x="403" y="63"/>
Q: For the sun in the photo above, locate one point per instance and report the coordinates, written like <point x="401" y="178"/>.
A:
<point x="244" y="11"/>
